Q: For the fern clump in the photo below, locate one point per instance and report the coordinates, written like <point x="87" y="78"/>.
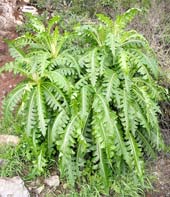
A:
<point x="94" y="100"/>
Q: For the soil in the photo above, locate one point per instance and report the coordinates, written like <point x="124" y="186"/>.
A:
<point x="160" y="168"/>
<point x="7" y="80"/>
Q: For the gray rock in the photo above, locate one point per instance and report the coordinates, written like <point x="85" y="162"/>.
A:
<point x="26" y="1"/>
<point x="2" y="162"/>
<point x="9" y="139"/>
<point x="39" y="189"/>
<point x="13" y="187"/>
<point x="8" y="10"/>
<point x="29" y="9"/>
<point x="52" y="181"/>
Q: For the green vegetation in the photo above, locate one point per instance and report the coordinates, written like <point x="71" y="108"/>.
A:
<point x="12" y="164"/>
<point x="90" y="100"/>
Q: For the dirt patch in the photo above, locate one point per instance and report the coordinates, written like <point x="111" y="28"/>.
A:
<point x="161" y="167"/>
<point x="161" y="171"/>
<point x="7" y="80"/>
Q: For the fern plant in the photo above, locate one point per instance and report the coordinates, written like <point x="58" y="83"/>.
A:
<point x="115" y="101"/>
<point x="96" y="99"/>
<point x="41" y="58"/>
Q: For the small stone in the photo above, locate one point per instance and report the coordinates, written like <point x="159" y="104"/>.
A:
<point x="3" y="75"/>
<point x="26" y="1"/>
<point x="162" y="162"/>
<point x="39" y="189"/>
<point x="65" y="186"/>
<point x="35" y="183"/>
<point x="2" y="161"/>
<point x="9" y="139"/>
<point x="13" y="187"/>
<point x="29" y="9"/>
<point x="52" y="181"/>
<point x="4" y="92"/>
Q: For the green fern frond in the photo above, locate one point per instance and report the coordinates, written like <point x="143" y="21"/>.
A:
<point x="35" y="23"/>
<point x="112" y="83"/>
<point x="24" y="40"/>
<point x="59" y="123"/>
<point x="105" y="19"/>
<point x="54" y="20"/>
<point x="41" y="110"/>
<point x="56" y="128"/>
<point x="93" y="67"/>
<point x="60" y="80"/>
<point x="123" y="20"/>
<point x="30" y="117"/>
<point x="85" y="103"/>
<point x="66" y="71"/>
<point x="148" y="148"/>
<point x="51" y="100"/>
<point x="114" y="138"/>
<point x="145" y="64"/>
<point x="65" y="144"/>
<point x="67" y="136"/>
<point x="54" y="88"/>
<point x="103" y="167"/>
<point x="13" y="99"/>
<point x="123" y="62"/>
<point x="90" y="32"/>
<point x="72" y="61"/>
<point x="15" y="52"/>
<point x="111" y="42"/>
<point x="136" y="154"/>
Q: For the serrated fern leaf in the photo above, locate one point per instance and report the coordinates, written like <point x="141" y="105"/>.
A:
<point x="73" y="62"/>
<point x="92" y="67"/>
<point x="58" y="124"/>
<point x="123" y="20"/>
<point x="35" y="23"/>
<point x="54" y="88"/>
<point x="51" y="100"/>
<point x="15" y="51"/>
<point x="66" y="155"/>
<point x="109" y="132"/>
<point x="30" y="117"/>
<point x="106" y="20"/>
<point x="13" y="99"/>
<point x="52" y="22"/>
<point x="146" y="144"/>
<point x="136" y="154"/>
<point x="112" y="83"/>
<point x="85" y="103"/>
<point x="123" y="59"/>
<point x="112" y="43"/>
<point x="60" y="80"/>
<point x="91" y="33"/>
<point x="146" y="66"/>
<point x="103" y="167"/>
<point x="66" y="71"/>
<point x="56" y="128"/>
<point x="41" y="110"/>
<point x="67" y="136"/>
